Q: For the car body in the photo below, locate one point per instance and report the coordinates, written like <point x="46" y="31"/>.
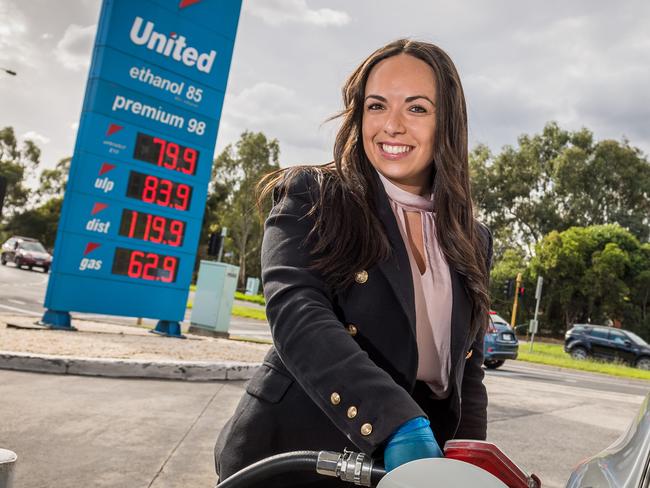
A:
<point x="25" y="251"/>
<point x="607" y="343"/>
<point x="625" y="463"/>
<point x="500" y="342"/>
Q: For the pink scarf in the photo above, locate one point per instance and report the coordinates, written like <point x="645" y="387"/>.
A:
<point x="433" y="292"/>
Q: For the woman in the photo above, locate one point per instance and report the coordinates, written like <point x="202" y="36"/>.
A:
<point x="375" y="276"/>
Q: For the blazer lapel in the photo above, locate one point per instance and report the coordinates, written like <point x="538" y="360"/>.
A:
<point x="397" y="268"/>
<point x="460" y="318"/>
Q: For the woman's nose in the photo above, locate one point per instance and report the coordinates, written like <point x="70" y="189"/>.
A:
<point x="394" y="124"/>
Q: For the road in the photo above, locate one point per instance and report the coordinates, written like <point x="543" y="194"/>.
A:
<point x="81" y="431"/>
<point x="549" y="419"/>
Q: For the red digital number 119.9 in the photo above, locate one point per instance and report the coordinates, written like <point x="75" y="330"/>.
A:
<point x="153" y="228"/>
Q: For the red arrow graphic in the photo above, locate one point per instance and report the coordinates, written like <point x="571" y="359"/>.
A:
<point x="90" y="247"/>
<point x="187" y="3"/>
<point x="106" y="168"/>
<point x="98" y="207"/>
<point x="113" y="128"/>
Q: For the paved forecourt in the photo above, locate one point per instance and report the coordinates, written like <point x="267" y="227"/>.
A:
<point x="72" y="431"/>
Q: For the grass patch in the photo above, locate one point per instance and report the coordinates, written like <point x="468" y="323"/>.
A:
<point x="248" y="312"/>
<point x="239" y="311"/>
<point x="554" y="355"/>
<point x="259" y="299"/>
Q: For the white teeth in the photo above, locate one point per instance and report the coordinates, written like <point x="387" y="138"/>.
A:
<point x="395" y="149"/>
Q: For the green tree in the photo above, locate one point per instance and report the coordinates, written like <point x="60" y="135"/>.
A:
<point x="40" y="222"/>
<point x="52" y="182"/>
<point x="506" y="267"/>
<point x="212" y="217"/>
<point x="16" y="162"/>
<point x="559" y="179"/>
<point x="236" y="171"/>
<point x="589" y="275"/>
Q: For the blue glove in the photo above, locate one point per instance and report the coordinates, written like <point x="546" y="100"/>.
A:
<point x="413" y="440"/>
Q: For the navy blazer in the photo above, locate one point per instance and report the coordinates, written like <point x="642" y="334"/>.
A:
<point x="342" y="372"/>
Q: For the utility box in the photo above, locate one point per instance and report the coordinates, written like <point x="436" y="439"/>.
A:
<point x="252" y="286"/>
<point x="215" y="294"/>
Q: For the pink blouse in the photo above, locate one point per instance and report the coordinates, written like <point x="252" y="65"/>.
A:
<point x="433" y="292"/>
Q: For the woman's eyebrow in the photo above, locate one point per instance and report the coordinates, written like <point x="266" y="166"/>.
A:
<point x="415" y="97"/>
<point x="407" y="99"/>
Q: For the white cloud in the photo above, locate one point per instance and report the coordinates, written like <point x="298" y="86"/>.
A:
<point x="36" y="137"/>
<point x="279" y="112"/>
<point x="75" y="47"/>
<point x="13" y="30"/>
<point x="277" y="12"/>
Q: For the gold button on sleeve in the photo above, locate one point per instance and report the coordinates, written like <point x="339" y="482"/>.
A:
<point x="352" y="412"/>
<point x="352" y="329"/>
<point x="469" y="354"/>
<point x="366" y="429"/>
<point x="361" y="276"/>
<point x="335" y="398"/>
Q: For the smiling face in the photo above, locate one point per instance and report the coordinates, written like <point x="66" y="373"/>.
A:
<point x="399" y="121"/>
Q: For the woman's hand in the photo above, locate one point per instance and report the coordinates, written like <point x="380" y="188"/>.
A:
<point x="413" y="440"/>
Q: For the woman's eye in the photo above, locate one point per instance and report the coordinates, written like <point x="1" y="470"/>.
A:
<point x="419" y="109"/>
<point x="375" y="106"/>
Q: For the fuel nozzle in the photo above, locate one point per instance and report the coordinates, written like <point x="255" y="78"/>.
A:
<point x="353" y="467"/>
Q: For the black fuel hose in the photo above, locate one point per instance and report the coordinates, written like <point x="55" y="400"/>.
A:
<point x="378" y="472"/>
<point x="287" y="463"/>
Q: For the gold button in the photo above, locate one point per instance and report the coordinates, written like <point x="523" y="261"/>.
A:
<point x="352" y="329"/>
<point x="352" y="412"/>
<point x="361" y="276"/>
<point x="335" y="398"/>
<point x="366" y="429"/>
<point x="469" y="354"/>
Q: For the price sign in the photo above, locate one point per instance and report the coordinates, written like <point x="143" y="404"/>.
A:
<point x="134" y="203"/>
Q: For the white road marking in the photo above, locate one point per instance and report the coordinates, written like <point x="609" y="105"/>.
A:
<point x="19" y="302"/>
<point x="21" y="310"/>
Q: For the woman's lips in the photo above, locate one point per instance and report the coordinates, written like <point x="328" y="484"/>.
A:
<point x="394" y="152"/>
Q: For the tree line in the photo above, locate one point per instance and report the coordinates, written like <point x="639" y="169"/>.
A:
<point x="560" y="204"/>
<point x="575" y="211"/>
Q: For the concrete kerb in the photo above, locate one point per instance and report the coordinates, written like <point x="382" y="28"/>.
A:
<point x="128" y="368"/>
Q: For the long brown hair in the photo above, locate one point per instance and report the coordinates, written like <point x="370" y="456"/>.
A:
<point x="347" y="233"/>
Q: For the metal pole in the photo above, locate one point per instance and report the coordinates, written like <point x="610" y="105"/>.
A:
<point x="538" y="296"/>
<point x="513" y="317"/>
<point x="224" y="233"/>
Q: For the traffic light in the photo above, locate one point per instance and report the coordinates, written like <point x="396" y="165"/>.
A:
<point x="509" y="288"/>
<point x="214" y="244"/>
<point x="521" y="291"/>
<point x="3" y="190"/>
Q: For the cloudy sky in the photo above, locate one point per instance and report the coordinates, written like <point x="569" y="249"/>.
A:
<point x="581" y="63"/>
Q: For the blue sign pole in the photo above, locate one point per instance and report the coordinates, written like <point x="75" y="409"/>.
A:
<point x="133" y="208"/>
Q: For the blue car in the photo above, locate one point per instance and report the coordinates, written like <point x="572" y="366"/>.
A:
<point x="500" y="342"/>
